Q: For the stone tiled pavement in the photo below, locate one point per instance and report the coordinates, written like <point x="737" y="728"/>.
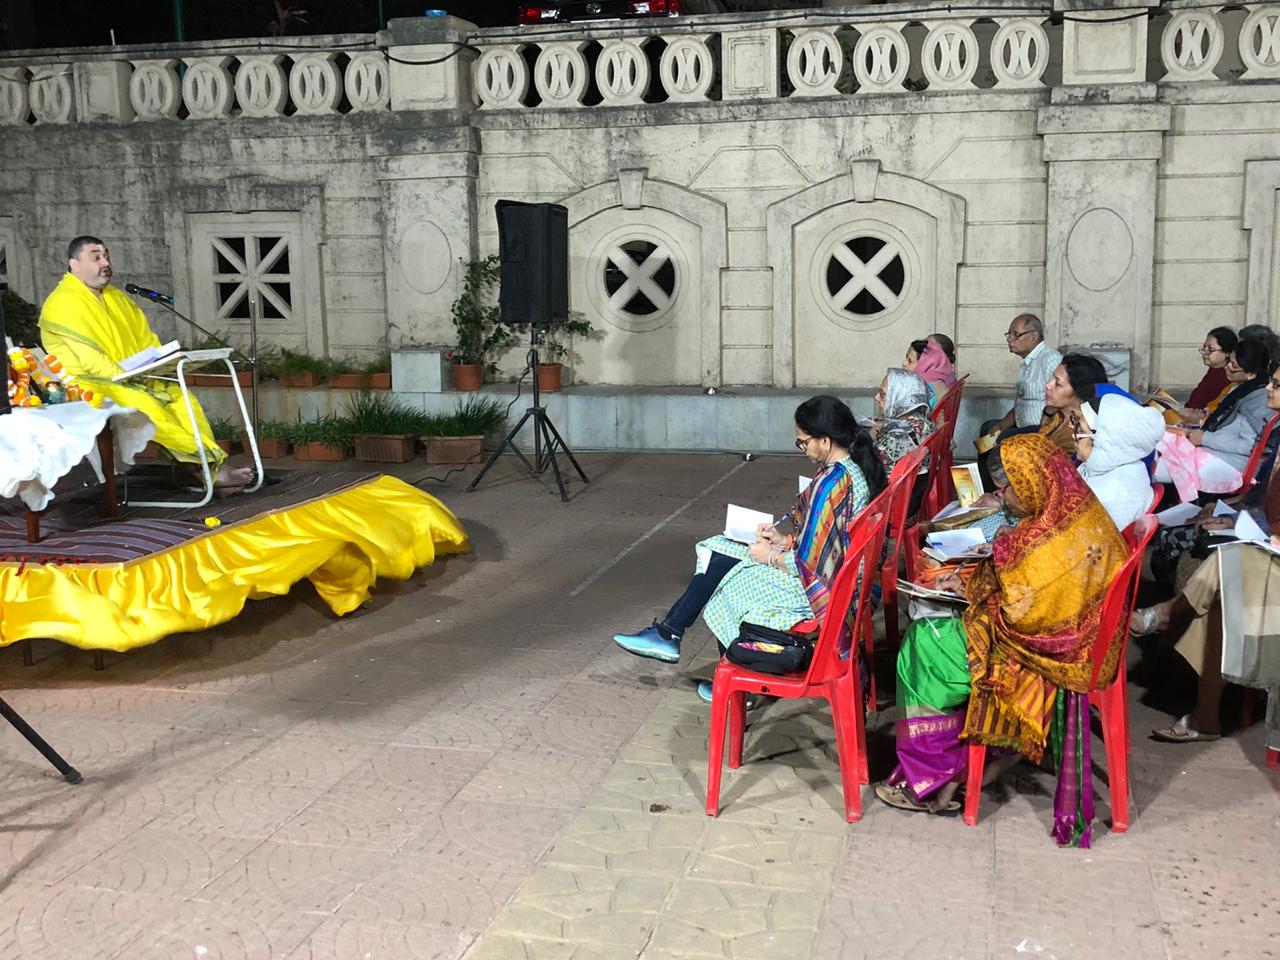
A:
<point x="468" y="767"/>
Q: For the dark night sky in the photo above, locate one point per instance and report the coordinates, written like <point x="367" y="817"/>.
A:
<point x="89" y="22"/>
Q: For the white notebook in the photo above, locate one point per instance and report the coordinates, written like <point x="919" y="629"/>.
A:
<point x="740" y="523"/>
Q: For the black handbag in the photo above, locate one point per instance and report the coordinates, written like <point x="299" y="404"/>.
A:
<point x="766" y="650"/>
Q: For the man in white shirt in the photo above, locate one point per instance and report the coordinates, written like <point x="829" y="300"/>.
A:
<point x="1039" y="360"/>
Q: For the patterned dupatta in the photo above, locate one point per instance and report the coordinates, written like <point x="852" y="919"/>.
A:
<point x="823" y="514"/>
<point x="1032" y="619"/>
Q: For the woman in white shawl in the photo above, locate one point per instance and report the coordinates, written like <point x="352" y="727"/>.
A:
<point x="1113" y="440"/>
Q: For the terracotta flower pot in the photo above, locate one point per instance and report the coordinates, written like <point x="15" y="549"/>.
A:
<point x="380" y="381"/>
<point x="245" y="377"/>
<point x="349" y="381"/>
<point x="272" y="449"/>
<point x="384" y="448"/>
<point x="454" y="449"/>
<point x="228" y="446"/>
<point x="320" y="452"/>
<point x="549" y="377"/>
<point x="300" y="381"/>
<point x="468" y="376"/>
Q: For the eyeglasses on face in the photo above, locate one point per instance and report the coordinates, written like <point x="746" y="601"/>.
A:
<point x="1209" y="351"/>
<point x="802" y="442"/>
<point x="1011" y="336"/>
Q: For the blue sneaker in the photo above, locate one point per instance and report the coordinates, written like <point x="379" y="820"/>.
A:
<point x="704" y="691"/>
<point x="650" y="643"/>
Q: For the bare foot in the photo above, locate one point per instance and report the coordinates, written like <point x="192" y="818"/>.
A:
<point x="229" y="476"/>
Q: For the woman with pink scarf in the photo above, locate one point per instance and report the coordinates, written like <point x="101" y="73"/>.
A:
<point x="929" y="360"/>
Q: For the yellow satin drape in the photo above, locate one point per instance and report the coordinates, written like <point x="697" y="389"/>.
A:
<point x="91" y="336"/>
<point x="341" y="543"/>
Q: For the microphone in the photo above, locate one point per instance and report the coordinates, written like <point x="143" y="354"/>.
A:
<point x="149" y="294"/>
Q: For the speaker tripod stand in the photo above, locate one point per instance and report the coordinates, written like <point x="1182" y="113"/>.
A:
<point x="546" y="438"/>
<point x="69" y="773"/>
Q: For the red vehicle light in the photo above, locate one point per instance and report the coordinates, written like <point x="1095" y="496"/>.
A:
<point x="655" y="8"/>
<point x="537" y="15"/>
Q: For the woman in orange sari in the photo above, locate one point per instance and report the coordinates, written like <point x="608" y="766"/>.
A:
<point x="1014" y="671"/>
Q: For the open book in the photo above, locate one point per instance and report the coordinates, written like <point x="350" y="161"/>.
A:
<point x="149" y="355"/>
<point x="928" y="593"/>
<point x="740" y="523"/>
<point x="167" y="361"/>
<point x="968" y="483"/>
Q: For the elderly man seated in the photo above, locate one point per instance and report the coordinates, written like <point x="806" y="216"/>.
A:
<point x="92" y="327"/>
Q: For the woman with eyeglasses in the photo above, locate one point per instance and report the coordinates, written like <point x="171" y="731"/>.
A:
<point x="1074" y="383"/>
<point x="1238" y="582"/>
<point x="1215" y="384"/>
<point x="1229" y="433"/>
<point x="780" y="579"/>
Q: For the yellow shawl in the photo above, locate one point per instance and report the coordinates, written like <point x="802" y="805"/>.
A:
<point x="91" y="335"/>
<point x="1035" y="606"/>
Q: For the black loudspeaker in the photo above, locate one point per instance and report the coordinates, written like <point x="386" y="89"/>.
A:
<point x="533" y="245"/>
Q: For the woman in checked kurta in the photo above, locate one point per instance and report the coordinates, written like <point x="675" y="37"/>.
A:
<point x="1014" y="671"/>
<point x="781" y="579"/>
<point x="92" y="327"/>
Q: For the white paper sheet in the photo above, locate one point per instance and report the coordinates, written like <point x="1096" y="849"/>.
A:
<point x="1247" y="528"/>
<point x="740" y="523"/>
<point x="804" y="483"/>
<point x="1176" y="516"/>
<point x="1223" y="509"/>
<point x="950" y="544"/>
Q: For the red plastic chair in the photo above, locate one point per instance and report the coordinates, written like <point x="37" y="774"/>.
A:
<point x="945" y="415"/>
<point x="1111" y="700"/>
<point x="902" y="482"/>
<point x="1255" y="457"/>
<point x="829" y="676"/>
<point x="1157" y="494"/>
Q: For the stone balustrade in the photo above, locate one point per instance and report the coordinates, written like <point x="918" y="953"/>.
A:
<point x="197" y="82"/>
<point x="886" y="49"/>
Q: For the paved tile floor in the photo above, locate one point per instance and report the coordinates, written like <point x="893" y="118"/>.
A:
<point x="469" y="767"/>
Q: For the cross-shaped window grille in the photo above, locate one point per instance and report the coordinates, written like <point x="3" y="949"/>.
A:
<point x="640" y="278"/>
<point x="252" y="273"/>
<point x="866" y="276"/>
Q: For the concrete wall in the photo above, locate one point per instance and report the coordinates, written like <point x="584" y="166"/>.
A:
<point x="1111" y="173"/>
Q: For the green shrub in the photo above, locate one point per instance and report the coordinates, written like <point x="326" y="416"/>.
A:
<point x="327" y="429"/>
<point x="294" y="363"/>
<point x="224" y="429"/>
<point x="380" y="413"/>
<point x="476" y="415"/>
<point x="274" y="430"/>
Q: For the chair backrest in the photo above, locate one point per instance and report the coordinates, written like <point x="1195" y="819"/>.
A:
<point x="938" y="445"/>
<point x="1157" y="494"/>
<point x="1118" y="602"/>
<point x="1255" y="457"/>
<point x="902" y="483"/>
<point x="948" y="408"/>
<point x="862" y="557"/>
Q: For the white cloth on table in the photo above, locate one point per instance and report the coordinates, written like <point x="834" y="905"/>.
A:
<point x="40" y="445"/>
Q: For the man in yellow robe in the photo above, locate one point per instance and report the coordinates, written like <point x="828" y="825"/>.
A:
<point x="91" y="327"/>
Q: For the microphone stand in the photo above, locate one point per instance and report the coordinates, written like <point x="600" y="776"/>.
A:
<point x="253" y="348"/>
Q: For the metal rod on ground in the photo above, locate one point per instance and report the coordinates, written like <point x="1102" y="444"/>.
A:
<point x="69" y="773"/>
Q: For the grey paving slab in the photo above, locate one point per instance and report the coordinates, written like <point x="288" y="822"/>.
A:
<point x="468" y="767"/>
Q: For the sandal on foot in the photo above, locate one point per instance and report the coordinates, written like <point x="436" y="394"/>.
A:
<point x="1183" y="732"/>
<point x="899" y="799"/>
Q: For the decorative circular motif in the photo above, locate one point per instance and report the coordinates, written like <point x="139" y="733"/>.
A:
<point x="636" y="278"/>
<point x="1019" y="54"/>
<point x="315" y="83"/>
<point x="1191" y="45"/>
<point x="425" y="256"/>
<point x="502" y="77"/>
<point x="1099" y="249"/>
<point x="560" y="74"/>
<point x="686" y="69"/>
<point x="1259" y="43"/>
<point x="366" y="82"/>
<point x="622" y="72"/>
<point x="814" y="62"/>
<point x="153" y="90"/>
<point x="880" y="60"/>
<point x="865" y="274"/>
<point x="950" y="56"/>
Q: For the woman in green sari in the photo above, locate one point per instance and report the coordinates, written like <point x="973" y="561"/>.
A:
<point x="1017" y="663"/>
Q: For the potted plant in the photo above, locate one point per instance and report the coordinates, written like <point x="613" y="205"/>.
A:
<point x="479" y="326"/>
<point x="347" y="376"/>
<point x="326" y="439"/>
<point x="378" y="371"/>
<point x="211" y="377"/>
<point x="459" y="437"/>
<point x="273" y="439"/>
<point x="384" y="429"/>
<point x="301" y="370"/>
<point x="226" y="432"/>
<point x="557" y="347"/>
